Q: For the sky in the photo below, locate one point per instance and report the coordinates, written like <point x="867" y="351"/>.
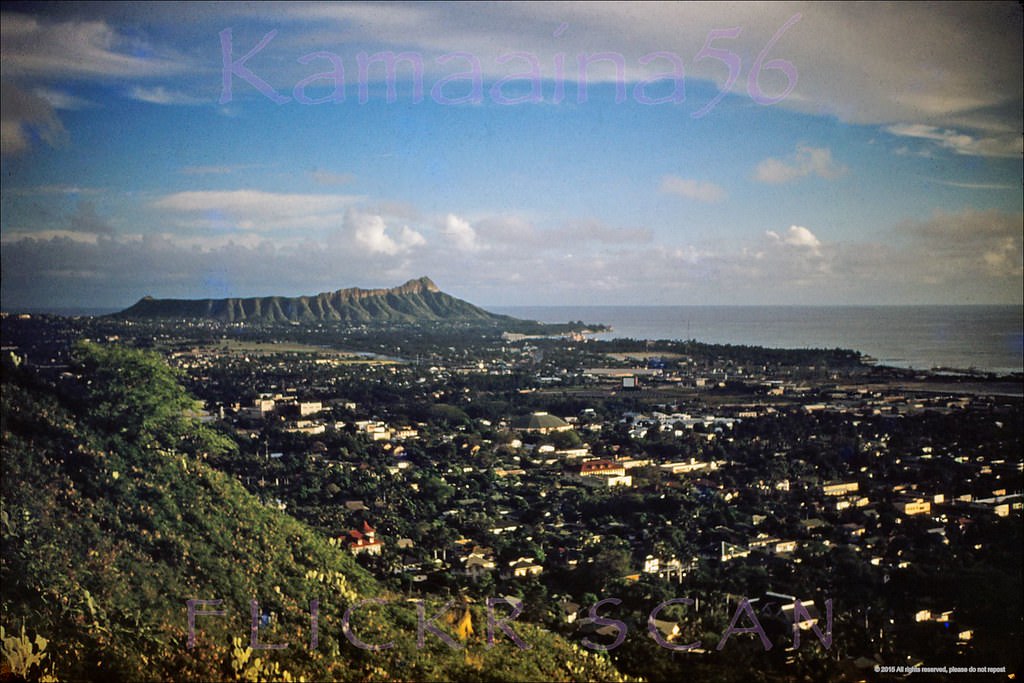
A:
<point x="517" y="154"/>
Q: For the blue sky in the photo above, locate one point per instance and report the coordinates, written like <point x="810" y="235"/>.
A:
<point x="874" y="158"/>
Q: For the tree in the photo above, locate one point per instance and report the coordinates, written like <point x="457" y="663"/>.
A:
<point x="136" y="396"/>
<point x="566" y="439"/>
<point x="609" y="564"/>
<point x="133" y="393"/>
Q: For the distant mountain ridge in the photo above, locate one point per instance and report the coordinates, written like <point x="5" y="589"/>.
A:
<point x="418" y="300"/>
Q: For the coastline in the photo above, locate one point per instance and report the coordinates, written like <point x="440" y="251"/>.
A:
<point x="967" y="340"/>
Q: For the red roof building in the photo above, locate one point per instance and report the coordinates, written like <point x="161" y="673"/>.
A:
<point x="605" y="468"/>
<point x="364" y="541"/>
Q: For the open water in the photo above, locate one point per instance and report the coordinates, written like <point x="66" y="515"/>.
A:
<point x="988" y="338"/>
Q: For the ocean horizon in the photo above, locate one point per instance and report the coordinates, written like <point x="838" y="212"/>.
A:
<point x="987" y="338"/>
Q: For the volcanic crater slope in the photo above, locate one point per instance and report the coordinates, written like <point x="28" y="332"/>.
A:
<point x="416" y="301"/>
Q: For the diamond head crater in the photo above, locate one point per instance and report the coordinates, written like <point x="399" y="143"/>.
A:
<point x="418" y="301"/>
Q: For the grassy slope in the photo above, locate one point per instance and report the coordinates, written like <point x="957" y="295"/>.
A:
<point x="106" y="538"/>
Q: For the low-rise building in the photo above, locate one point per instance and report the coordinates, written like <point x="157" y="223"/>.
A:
<point x="364" y="540"/>
<point x="524" y="567"/>
<point x="839" y="488"/>
<point x="605" y="468"/>
<point x="913" y="506"/>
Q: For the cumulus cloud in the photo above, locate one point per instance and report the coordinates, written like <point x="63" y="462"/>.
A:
<point x="76" y="269"/>
<point x="797" y="236"/>
<point x="460" y="233"/>
<point x="961" y="257"/>
<point x="806" y="161"/>
<point x="1004" y="257"/>
<point x="794" y="258"/>
<point x="373" y="234"/>
<point x="692" y="189"/>
<point x="968" y="256"/>
<point x="971" y="241"/>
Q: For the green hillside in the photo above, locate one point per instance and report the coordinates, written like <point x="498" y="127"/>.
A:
<point x="112" y="521"/>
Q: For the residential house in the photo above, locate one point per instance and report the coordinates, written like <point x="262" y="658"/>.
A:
<point x="364" y="540"/>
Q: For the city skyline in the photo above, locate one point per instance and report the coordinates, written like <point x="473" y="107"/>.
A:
<point x="518" y="154"/>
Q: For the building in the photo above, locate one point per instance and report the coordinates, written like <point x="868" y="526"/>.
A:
<point x="913" y="506"/>
<point x="364" y="540"/>
<point x="620" y="480"/>
<point x="309" y="408"/>
<point x="731" y="551"/>
<point x="683" y="467"/>
<point x="479" y="561"/>
<point x="263" y="405"/>
<point x="540" y="423"/>
<point x="524" y="567"/>
<point x="839" y="488"/>
<point x="602" y="468"/>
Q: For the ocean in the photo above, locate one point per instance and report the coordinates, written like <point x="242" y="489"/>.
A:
<point x="987" y="338"/>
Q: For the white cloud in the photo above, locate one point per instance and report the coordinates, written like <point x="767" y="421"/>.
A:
<point x="257" y="210"/>
<point x="409" y="238"/>
<point x="795" y="258"/>
<point x="460" y="232"/>
<point x="1004" y="257"/>
<point x="955" y="70"/>
<point x="692" y="189"/>
<point x="1005" y="145"/>
<point x="372" y="233"/>
<point x="863" y="63"/>
<point x="806" y="161"/>
<point x="161" y="95"/>
<point x="971" y="241"/>
<point x="59" y="99"/>
<point x="31" y="47"/>
<point x="776" y="172"/>
<point x="797" y="236"/>
<point x="974" y="186"/>
<point x="962" y="257"/>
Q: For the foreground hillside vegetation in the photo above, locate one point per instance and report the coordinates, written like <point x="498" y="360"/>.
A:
<point x="113" y="520"/>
